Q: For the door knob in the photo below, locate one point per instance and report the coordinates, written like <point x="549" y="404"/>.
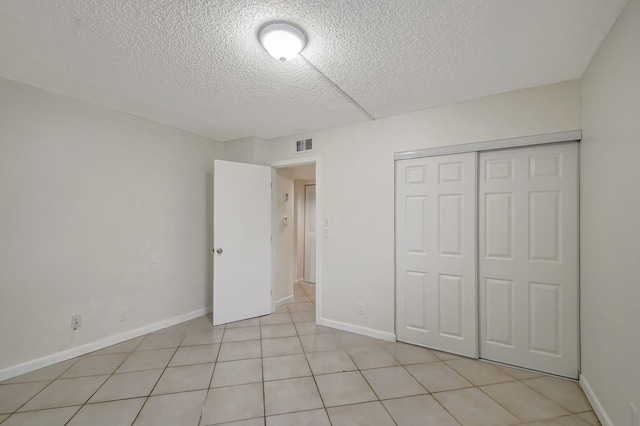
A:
<point x="219" y="251"/>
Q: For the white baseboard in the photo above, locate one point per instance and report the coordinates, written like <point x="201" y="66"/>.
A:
<point x="595" y="402"/>
<point x="48" y="360"/>
<point x="298" y="280"/>
<point x="284" y="300"/>
<point x="383" y="335"/>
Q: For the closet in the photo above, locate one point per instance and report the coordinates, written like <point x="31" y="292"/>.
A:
<point x="487" y="255"/>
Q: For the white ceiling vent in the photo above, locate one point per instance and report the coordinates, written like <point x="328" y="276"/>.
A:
<point x="303" y="145"/>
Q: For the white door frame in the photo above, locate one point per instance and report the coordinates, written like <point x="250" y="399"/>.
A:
<point x="303" y="161"/>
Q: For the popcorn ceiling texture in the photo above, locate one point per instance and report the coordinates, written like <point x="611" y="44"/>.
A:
<point x="198" y="65"/>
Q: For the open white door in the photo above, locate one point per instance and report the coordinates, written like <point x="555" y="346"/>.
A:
<point x="436" y="253"/>
<point x="242" y="241"/>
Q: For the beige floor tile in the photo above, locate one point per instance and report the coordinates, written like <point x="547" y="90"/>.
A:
<point x="471" y="407"/>
<point x="560" y="421"/>
<point x="291" y="395"/>
<point x="202" y="354"/>
<point x="278" y="330"/>
<point x="183" y="379"/>
<point x="146" y="360"/>
<point x="241" y="334"/>
<point x="201" y="323"/>
<point x="127" y="385"/>
<point x="301" y="307"/>
<point x="251" y="322"/>
<point x="392" y="382"/>
<point x="47" y="373"/>
<point x="239" y="372"/>
<point x="182" y="409"/>
<point x="52" y="417"/>
<point x="161" y="341"/>
<point x="124" y="347"/>
<point x="419" y="410"/>
<point x="281" y="346"/>
<point x="518" y="373"/>
<point x="368" y="414"/>
<point x="479" y="373"/>
<point x="240" y="350"/>
<point x="344" y="388"/>
<point x="309" y="328"/>
<point x="306" y="418"/>
<point x="330" y="362"/>
<point x="222" y="404"/>
<point x="13" y="396"/>
<point x="282" y="309"/>
<point x="320" y="343"/>
<point x="564" y="392"/>
<point x="108" y="413"/>
<point x="95" y="365"/>
<point x="65" y="392"/>
<point x="372" y="357"/>
<point x="589" y="417"/>
<point x="301" y="298"/>
<point x="438" y="377"/>
<point x="527" y="404"/>
<point x="352" y="340"/>
<point x="259" y="421"/>
<point x="409" y="354"/>
<point x="178" y="328"/>
<point x="202" y="337"/>
<point x="285" y="367"/>
<point x="309" y="316"/>
<point x="3" y="417"/>
<point x="445" y="356"/>
<point x="276" y="318"/>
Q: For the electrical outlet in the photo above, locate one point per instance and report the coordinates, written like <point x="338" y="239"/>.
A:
<point x="124" y="314"/>
<point x="634" y="419"/>
<point x="76" y="321"/>
<point x="360" y="308"/>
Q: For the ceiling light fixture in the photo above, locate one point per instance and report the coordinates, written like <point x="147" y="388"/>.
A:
<point x="282" y="40"/>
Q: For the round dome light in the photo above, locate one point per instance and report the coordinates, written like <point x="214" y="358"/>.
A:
<point x="283" y="41"/>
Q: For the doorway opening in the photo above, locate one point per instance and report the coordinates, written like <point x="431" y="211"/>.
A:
<point x="296" y="249"/>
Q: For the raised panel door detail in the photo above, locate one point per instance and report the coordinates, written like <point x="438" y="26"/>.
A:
<point x="498" y="226"/>
<point x="544" y="166"/>
<point x="499" y="311"/>
<point x="544" y="226"/>
<point x="544" y="318"/>
<point x="416" y="227"/>
<point x="450" y="303"/>
<point x="499" y="169"/>
<point x="416" y="283"/>
<point x="450" y="172"/>
<point x="415" y="175"/>
<point x="450" y="225"/>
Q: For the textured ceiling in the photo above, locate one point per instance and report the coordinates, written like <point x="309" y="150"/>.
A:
<point x="197" y="64"/>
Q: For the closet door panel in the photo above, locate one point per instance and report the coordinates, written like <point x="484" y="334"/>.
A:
<point x="528" y="257"/>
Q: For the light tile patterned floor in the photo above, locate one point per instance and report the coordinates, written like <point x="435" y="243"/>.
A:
<point x="280" y="370"/>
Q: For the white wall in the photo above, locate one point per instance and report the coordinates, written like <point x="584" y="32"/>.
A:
<point x="250" y="150"/>
<point x="284" y="244"/>
<point x="610" y="216"/>
<point x="99" y="210"/>
<point x="358" y="185"/>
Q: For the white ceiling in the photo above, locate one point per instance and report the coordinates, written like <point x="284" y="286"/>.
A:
<point x="198" y="65"/>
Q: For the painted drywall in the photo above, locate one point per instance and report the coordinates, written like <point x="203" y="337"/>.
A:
<point x="250" y="150"/>
<point x="610" y="210"/>
<point x="358" y="185"/>
<point x="99" y="210"/>
<point x="284" y="234"/>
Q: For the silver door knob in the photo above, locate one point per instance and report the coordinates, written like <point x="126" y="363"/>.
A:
<point x="219" y="251"/>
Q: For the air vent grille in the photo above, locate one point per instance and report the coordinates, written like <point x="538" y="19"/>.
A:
<point x="303" y="145"/>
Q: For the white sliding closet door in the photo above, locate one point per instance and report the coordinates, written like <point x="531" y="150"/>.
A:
<point x="528" y="257"/>
<point x="436" y="253"/>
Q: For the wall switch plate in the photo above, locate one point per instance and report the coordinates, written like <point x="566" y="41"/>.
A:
<point x="76" y="321"/>
<point x="124" y="314"/>
<point x="360" y="308"/>
<point x="326" y="221"/>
